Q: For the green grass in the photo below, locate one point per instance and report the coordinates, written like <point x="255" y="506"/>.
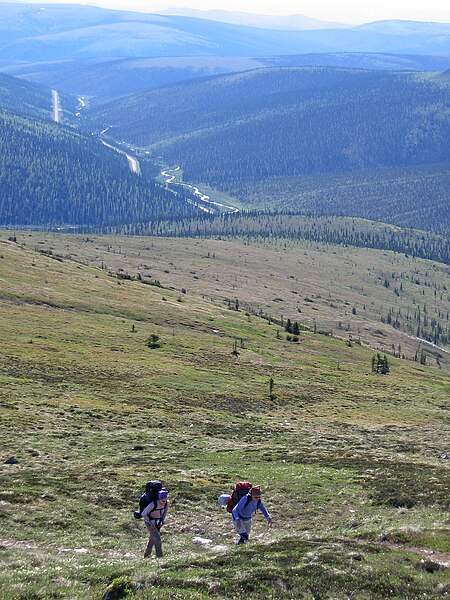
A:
<point x="349" y="462"/>
<point x="318" y="285"/>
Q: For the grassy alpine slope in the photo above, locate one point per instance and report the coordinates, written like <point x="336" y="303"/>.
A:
<point x="385" y="299"/>
<point x="351" y="463"/>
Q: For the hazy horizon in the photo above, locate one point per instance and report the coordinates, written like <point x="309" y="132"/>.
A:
<point x="347" y="11"/>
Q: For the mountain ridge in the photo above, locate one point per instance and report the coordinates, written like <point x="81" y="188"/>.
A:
<point x="123" y="76"/>
<point x="283" y="22"/>
<point x="49" y="32"/>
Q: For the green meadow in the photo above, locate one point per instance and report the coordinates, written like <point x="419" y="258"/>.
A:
<point x="353" y="465"/>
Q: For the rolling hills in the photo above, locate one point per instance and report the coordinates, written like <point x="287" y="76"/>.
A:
<point x="296" y="22"/>
<point x="111" y="78"/>
<point x="31" y="32"/>
<point x="371" y="133"/>
<point x="321" y="141"/>
<point x="103" y="78"/>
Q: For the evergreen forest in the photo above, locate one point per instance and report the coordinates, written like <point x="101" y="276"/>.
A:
<point x="373" y="144"/>
<point x="54" y="176"/>
<point x="32" y="100"/>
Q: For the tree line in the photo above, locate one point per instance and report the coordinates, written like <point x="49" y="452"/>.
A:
<point x="275" y="224"/>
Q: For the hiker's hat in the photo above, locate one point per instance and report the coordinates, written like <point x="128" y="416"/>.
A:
<point x="162" y="494"/>
<point x="256" y="490"/>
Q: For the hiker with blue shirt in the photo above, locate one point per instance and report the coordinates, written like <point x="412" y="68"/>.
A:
<point x="244" y="511"/>
<point x="154" y="515"/>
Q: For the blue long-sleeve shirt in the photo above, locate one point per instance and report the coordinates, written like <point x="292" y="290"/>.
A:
<point x="241" y="512"/>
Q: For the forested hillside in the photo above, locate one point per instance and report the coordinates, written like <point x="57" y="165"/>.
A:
<point x="363" y="60"/>
<point x="123" y="76"/>
<point x="30" y="99"/>
<point x="108" y="77"/>
<point x="54" y="176"/>
<point x="240" y="132"/>
<point x="324" y="230"/>
<point x="415" y="197"/>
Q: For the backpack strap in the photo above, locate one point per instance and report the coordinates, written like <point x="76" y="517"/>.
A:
<point x="247" y="502"/>
<point x="249" y="499"/>
<point x="158" y="520"/>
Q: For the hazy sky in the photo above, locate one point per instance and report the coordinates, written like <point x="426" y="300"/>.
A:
<point x="348" y="11"/>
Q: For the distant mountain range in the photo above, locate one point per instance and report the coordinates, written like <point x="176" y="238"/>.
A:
<point x="296" y="22"/>
<point x="348" y="121"/>
<point x="40" y="32"/>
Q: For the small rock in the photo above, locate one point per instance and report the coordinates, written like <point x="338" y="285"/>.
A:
<point x="220" y="548"/>
<point x="12" y="460"/>
<point x="355" y="556"/>
<point x="136" y="448"/>
<point x="202" y="541"/>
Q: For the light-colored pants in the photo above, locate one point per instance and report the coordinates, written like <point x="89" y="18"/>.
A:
<point x="243" y="526"/>
<point x="154" y="540"/>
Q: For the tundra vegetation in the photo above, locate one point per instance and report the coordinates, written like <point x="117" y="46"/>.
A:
<point x="353" y="464"/>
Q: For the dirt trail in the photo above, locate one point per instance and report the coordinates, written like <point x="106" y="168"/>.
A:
<point x="441" y="558"/>
<point x="33" y="546"/>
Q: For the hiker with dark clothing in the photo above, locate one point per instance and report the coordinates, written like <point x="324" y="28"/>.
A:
<point x="244" y="511"/>
<point x="154" y="515"/>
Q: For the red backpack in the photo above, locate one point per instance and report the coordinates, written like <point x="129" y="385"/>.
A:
<point x="241" y="489"/>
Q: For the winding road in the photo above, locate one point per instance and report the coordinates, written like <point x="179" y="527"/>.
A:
<point x="204" y="201"/>
<point x="211" y="207"/>
<point x="133" y="163"/>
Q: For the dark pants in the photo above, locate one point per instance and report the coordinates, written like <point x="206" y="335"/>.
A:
<point x="154" y="540"/>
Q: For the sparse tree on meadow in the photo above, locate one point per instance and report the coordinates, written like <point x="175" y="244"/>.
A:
<point x="153" y="341"/>
<point x="271" y="386"/>
<point x="380" y="364"/>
